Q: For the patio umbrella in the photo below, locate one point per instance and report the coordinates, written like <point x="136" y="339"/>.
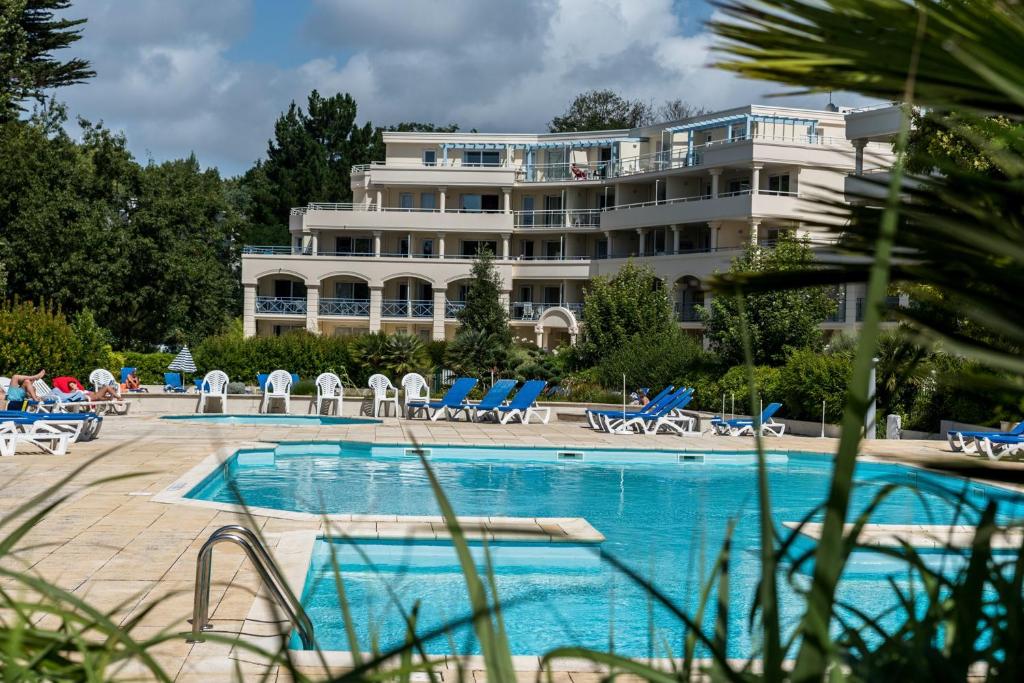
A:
<point x="183" y="363"/>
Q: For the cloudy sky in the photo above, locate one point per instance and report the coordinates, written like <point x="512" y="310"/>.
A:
<point x="211" y="76"/>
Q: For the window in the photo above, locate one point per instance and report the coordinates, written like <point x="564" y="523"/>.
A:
<point x="429" y="157"/>
<point x="428" y="248"/>
<point x="657" y="242"/>
<point x="602" y="249"/>
<point x="527" y="217"/>
<point x="470" y="202"/>
<point x="553" y="249"/>
<point x="426" y="291"/>
<point x="660" y="194"/>
<point x="285" y="289"/>
<point x="526" y="293"/>
<point x="471" y="247"/>
<point x="553" y="209"/>
<point x="526" y="249"/>
<point x="403" y="246"/>
<point x="428" y="201"/>
<point x="463" y="291"/>
<point x="552" y="295"/>
<point x="352" y="290"/>
<point x="708" y="138"/>
<point x="558" y="166"/>
<point x="739" y="185"/>
<point x="405" y="200"/>
<point x="358" y="246"/>
<point x="403" y="292"/>
<point x="778" y="183"/>
<point x="481" y="158"/>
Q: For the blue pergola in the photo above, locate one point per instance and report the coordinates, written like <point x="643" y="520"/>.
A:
<point x="532" y="147"/>
<point x="739" y="119"/>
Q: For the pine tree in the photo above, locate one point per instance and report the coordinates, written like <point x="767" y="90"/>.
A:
<point x="29" y="35"/>
<point x="483" y="311"/>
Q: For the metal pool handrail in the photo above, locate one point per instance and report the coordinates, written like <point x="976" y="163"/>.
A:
<point x="265" y="567"/>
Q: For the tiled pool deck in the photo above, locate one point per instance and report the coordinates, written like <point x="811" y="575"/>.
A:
<point x="115" y="547"/>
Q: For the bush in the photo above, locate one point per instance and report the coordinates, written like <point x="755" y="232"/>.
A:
<point x="298" y="352"/>
<point x="236" y="387"/>
<point x="807" y="379"/>
<point x="393" y="355"/>
<point x="305" y="387"/>
<point x="651" y="361"/>
<point x="529" y="362"/>
<point x="733" y="386"/>
<point x="40" y="337"/>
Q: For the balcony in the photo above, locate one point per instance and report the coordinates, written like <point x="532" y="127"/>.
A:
<point x="700" y="208"/>
<point x="281" y="305"/>
<point x="318" y="216"/>
<point x="439" y="173"/>
<point x="558" y="219"/>
<point x="351" y="308"/>
<point x="528" y="310"/>
<point x="452" y="308"/>
<point x="403" y="308"/>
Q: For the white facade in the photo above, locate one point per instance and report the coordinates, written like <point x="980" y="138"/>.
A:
<point x="684" y="197"/>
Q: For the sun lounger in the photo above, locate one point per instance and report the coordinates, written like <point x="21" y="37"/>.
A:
<point x="172" y="383"/>
<point x="45" y="437"/>
<point x="745" y="426"/>
<point x="53" y="401"/>
<point x="522" y="406"/>
<point x="669" y="416"/>
<point x="452" y="400"/>
<point x="998" y="446"/>
<point x="967" y="441"/>
<point x="80" y="426"/>
<point x="488" y="405"/>
<point x="665" y="395"/>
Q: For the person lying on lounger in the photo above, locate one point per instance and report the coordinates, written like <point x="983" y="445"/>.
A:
<point x="67" y="388"/>
<point x="21" y="388"/>
<point x="578" y="173"/>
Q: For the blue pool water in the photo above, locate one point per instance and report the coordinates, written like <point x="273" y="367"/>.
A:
<point x="271" y="419"/>
<point x="663" y="515"/>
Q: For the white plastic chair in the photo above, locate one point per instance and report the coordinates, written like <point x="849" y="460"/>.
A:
<point x="278" y="386"/>
<point x="47" y="438"/>
<point x="328" y="392"/>
<point x="100" y="378"/>
<point x="414" y="388"/>
<point x="383" y="392"/>
<point x="214" y="387"/>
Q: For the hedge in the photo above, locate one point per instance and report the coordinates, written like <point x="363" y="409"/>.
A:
<point x="34" y="338"/>
<point x="298" y="352"/>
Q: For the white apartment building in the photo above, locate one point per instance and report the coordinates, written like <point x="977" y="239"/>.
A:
<point x="557" y="209"/>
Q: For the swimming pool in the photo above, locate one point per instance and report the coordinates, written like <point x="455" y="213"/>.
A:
<point x="663" y="514"/>
<point x="272" y="419"/>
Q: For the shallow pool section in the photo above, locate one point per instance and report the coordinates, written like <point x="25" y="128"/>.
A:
<point x="272" y="419"/>
<point x="664" y="515"/>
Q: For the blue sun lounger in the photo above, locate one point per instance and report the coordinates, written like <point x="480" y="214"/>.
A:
<point x="172" y="383"/>
<point x="669" y="415"/>
<point x="489" y="404"/>
<point x="522" y="404"/>
<point x="998" y="445"/>
<point x="745" y="425"/>
<point x="967" y="441"/>
<point x="452" y="399"/>
<point x="665" y="395"/>
<point x="81" y="426"/>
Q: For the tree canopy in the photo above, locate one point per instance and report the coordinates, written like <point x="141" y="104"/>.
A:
<point x="30" y="33"/>
<point x="483" y="340"/>
<point x="778" y="320"/>
<point x="601" y="110"/>
<point x="632" y="302"/>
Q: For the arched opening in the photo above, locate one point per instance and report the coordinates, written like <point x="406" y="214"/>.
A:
<point x="556" y="326"/>
<point x="345" y="296"/>
<point x="689" y="295"/>
<point x="280" y="294"/>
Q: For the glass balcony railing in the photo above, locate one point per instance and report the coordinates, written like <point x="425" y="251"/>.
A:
<point x="358" y="308"/>
<point x="281" y="305"/>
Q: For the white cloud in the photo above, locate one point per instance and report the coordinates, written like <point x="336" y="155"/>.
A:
<point x="166" y="75"/>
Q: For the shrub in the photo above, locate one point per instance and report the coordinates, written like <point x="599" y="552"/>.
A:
<point x="732" y="386"/>
<point x="529" y="362"/>
<point x="236" y="387"/>
<point x="476" y="354"/>
<point x="305" y="387"/>
<point x="40" y="337"/>
<point x="807" y="379"/>
<point x="299" y="352"/>
<point x="651" y="360"/>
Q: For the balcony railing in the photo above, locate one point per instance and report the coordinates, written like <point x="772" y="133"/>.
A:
<point x="281" y="305"/>
<point x="528" y="310"/>
<point x="402" y="308"/>
<point x="687" y="311"/>
<point x="452" y="308"/>
<point x="839" y="316"/>
<point x="359" y="308"/>
<point x="558" y="218"/>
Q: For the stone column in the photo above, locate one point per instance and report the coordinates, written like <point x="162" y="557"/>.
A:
<point x="608" y="238"/>
<point x="376" y="243"/>
<point x="315" y="243"/>
<point x="443" y="192"/>
<point x="379" y="200"/>
<point x="755" y="179"/>
<point x="507" y="191"/>
<point x="440" y="245"/>
<point x="716" y="176"/>
<point x="505" y="298"/>
<point x="715" y="227"/>
<point x="858" y="159"/>
<point x="573" y="334"/>
<point x="754" y="224"/>
<point x="538" y="330"/>
<point x="505" y="240"/>
<point x="440" y="296"/>
<point x="249" y="310"/>
<point x="642" y="249"/>
<point x="313" y="308"/>
<point x="852" y="292"/>
<point x="376" y="303"/>
<point x="675" y="239"/>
